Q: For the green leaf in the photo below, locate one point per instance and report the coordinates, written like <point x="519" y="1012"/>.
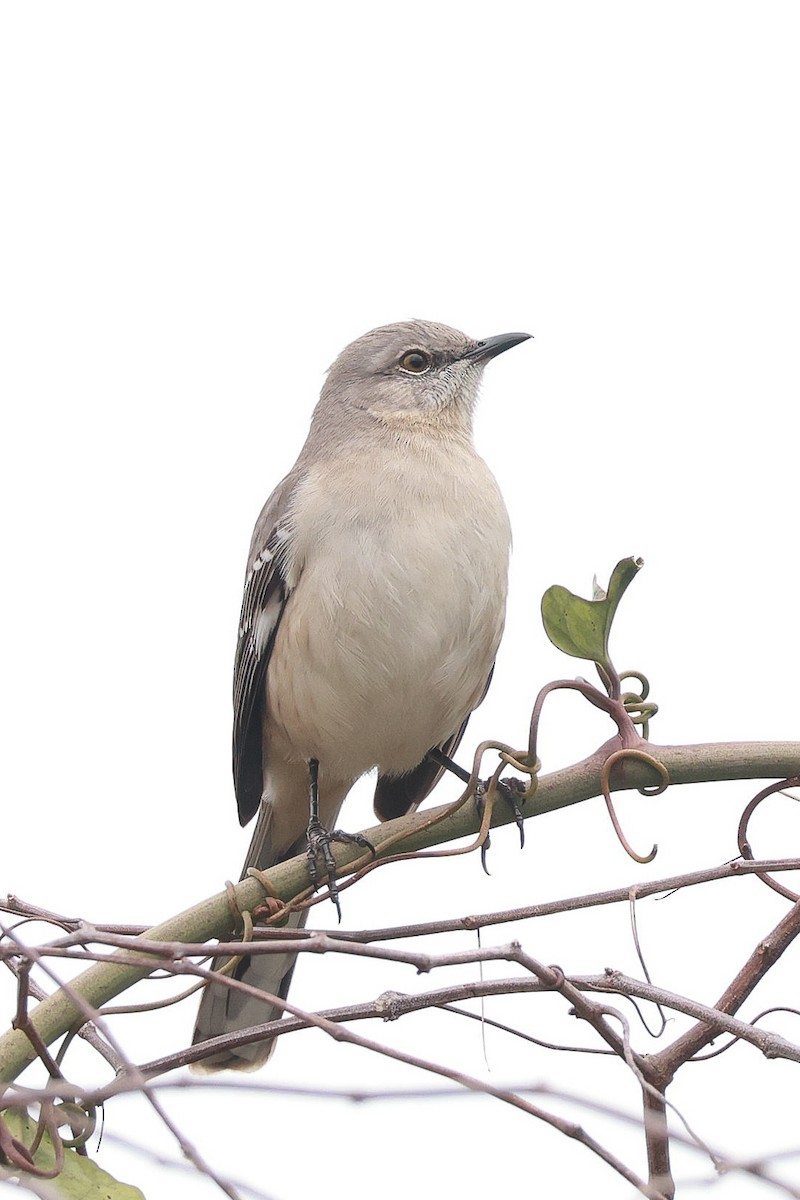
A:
<point x="80" y="1179"/>
<point x="581" y="627"/>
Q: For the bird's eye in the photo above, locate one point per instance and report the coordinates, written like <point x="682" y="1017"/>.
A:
<point x="415" y="362"/>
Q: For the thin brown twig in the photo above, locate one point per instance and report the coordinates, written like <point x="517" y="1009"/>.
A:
<point x="393" y="1005"/>
<point x="671" y="883"/>
<point x="767" y="952"/>
<point x="105" y="934"/>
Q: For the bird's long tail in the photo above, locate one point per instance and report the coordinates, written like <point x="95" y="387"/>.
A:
<point x="224" y="1010"/>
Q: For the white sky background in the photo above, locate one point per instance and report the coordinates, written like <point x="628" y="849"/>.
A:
<point x="201" y="205"/>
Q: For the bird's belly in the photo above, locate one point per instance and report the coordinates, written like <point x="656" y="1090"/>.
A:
<point x="383" y="654"/>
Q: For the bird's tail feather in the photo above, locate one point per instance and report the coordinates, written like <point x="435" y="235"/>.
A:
<point x="224" y="1010"/>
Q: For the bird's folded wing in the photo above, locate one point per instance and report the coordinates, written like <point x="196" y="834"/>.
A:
<point x="265" y="595"/>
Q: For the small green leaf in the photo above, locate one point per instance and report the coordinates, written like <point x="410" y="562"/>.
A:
<point x="581" y="627"/>
<point x="80" y="1179"/>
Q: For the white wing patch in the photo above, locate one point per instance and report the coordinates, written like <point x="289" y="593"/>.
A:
<point x="266" y="620"/>
<point x="266" y="556"/>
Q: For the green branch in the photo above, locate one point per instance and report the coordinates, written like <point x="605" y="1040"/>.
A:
<point x="703" y="763"/>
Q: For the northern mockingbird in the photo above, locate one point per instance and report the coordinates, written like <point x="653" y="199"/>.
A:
<point x="373" y="607"/>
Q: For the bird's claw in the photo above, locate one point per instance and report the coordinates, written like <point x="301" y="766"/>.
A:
<point x="509" y="790"/>
<point x="485" y="844"/>
<point x="319" y="843"/>
<point x="480" y="804"/>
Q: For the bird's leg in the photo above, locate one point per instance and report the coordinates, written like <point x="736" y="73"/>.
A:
<point x="319" y="838"/>
<point x="313" y="796"/>
<point x="443" y="760"/>
<point x="506" y="787"/>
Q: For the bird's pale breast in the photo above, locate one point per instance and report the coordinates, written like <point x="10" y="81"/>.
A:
<point x="384" y="649"/>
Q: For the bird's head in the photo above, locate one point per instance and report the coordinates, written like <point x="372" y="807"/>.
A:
<point x="415" y="372"/>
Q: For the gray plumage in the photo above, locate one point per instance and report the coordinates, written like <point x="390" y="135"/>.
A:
<point x="373" y="607"/>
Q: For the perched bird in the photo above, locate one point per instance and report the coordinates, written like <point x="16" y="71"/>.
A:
<point x="373" y="607"/>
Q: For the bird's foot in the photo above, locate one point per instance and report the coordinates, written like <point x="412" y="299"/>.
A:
<point x="512" y="790"/>
<point x="509" y="791"/>
<point x="319" y="846"/>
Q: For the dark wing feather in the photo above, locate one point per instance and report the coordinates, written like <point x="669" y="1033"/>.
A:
<point x="265" y="594"/>
<point x="399" y="794"/>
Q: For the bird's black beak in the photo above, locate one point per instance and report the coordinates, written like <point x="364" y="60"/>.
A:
<point x="491" y="347"/>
